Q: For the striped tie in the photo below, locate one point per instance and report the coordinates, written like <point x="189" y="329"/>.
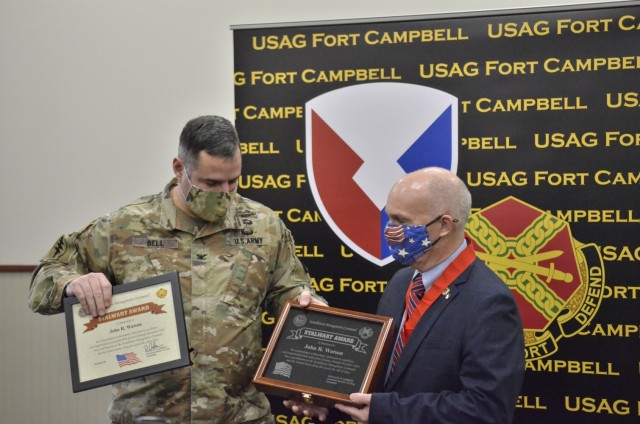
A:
<point x="417" y="291"/>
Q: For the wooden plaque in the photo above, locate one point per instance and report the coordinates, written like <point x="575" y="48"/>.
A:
<point x="320" y="355"/>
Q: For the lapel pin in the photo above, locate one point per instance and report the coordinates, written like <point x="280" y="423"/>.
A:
<point x="446" y="293"/>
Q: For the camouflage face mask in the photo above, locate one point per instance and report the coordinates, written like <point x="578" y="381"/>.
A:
<point x="208" y="205"/>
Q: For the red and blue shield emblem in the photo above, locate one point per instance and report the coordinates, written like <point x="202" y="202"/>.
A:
<point x="360" y="140"/>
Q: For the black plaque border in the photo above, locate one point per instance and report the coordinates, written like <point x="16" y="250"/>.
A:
<point x="315" y="395"/>
<point x="183" y="345"/>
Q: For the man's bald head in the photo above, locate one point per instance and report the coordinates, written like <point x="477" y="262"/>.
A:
<point x="438" y="199"/>
<point x="434" y="191"/>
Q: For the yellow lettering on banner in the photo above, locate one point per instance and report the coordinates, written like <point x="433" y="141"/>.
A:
<point x="250" y="181"/>
<point x="524" y="402"/>
<point x="294" y="419"/>
<point x="583" y="27"/>
<point x="623" y="100"/>
<point x="303" y="251"/>
<point x="322" y="284"/>
<point x="622" y="139"/>
<point x="310" y="76"/>
<point x="331" y="40"/>
<point x="609" y="216"/>
<point x="298" y="215"/>
<point x="488" y="143"/>
<point x="629" y="23"/>
<point x="543" y="348"/>
<point x="554" y="65"/>
<point x="374" y="37"/>
<point x="591" y="405"/>
<point x="258" y="148"/>
<point x="591" y="302"/>
<point x="620" y="253"/>
<point x="612" y="330"/>
<point x="239" y="78"/>
<point x="572" y="367"/>
<point x="621" y="292"/>
<point x="487" y="105"/>
<point x="281" y="112"/>
<point x="358" y="286"/>
<point x="497" y="179"/>
<point x="554" y="179"/>
<point x="561" y="140"/>
<point x="268" y="319"/>
<point x="510" y="68"/>
<point x="276" y="42"/>
<point x="449" y="70"/>
<point x="517" y="29"/>
<point x="344" y="253"/>
<point x="605" y="177"/>
<point x="273" y="78"/>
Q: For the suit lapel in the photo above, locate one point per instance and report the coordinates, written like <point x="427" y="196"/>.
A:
<point x="422" y="330"/>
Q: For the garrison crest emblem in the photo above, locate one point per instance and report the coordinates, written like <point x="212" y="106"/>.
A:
<point x="557" y="281"/>
<point x="362" y="138"/>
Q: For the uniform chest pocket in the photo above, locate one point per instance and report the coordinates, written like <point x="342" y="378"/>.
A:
<point x="247" y="285"/>
<point x="133" y="266"/>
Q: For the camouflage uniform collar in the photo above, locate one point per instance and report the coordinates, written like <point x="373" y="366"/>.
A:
<point x="173" y="217"/>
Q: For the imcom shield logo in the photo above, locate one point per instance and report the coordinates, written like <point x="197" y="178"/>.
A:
<point x="360" y="140"/>
<point x="557" y="281"/>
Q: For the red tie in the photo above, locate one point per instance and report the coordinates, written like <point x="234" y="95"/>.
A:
<point x="415" y="295"/>
<point x="418" y="302"/>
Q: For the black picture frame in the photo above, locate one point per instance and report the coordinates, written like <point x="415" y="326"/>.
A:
<point x="134" y="367"/>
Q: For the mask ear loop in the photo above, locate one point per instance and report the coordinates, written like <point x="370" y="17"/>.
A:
<point x="180" y="185"/>
<point x="439" y="238"/>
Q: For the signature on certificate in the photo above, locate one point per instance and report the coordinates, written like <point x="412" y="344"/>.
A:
<point x="153" y="346"/>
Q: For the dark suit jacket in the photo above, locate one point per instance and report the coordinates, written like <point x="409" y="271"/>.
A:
<point x="464" y="362"/>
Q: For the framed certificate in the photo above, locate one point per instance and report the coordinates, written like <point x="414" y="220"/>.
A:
<point x="320" y="355"/>
<point x="142" y="333"/>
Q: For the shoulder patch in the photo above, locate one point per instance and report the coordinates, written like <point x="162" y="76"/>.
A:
<point x="59" y="248"/>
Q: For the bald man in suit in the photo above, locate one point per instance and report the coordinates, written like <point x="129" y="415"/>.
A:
<point x="459" y="355"/>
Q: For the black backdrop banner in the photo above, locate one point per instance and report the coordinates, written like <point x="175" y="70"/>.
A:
<point x="537" y="110"/>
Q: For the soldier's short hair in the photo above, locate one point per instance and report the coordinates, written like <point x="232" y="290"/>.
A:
<point x="214" y="134"/>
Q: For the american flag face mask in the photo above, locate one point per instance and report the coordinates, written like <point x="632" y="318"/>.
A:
<point x="408" y="242"/>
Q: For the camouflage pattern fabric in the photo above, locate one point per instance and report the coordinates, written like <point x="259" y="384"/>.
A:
<point x="227" y="269"/>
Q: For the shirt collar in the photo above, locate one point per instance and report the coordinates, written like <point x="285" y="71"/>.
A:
<point x="431" y="275"/>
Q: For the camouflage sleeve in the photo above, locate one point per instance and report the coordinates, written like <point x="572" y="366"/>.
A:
<point x="71" y="256"/>
<point x="290" y="277"/>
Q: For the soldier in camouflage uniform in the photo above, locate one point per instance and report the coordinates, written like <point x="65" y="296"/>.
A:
<point x="231" y="253"/>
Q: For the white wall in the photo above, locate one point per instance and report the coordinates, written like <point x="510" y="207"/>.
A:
<point x="93" y="95"/>
<point x="35" y="381"/>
